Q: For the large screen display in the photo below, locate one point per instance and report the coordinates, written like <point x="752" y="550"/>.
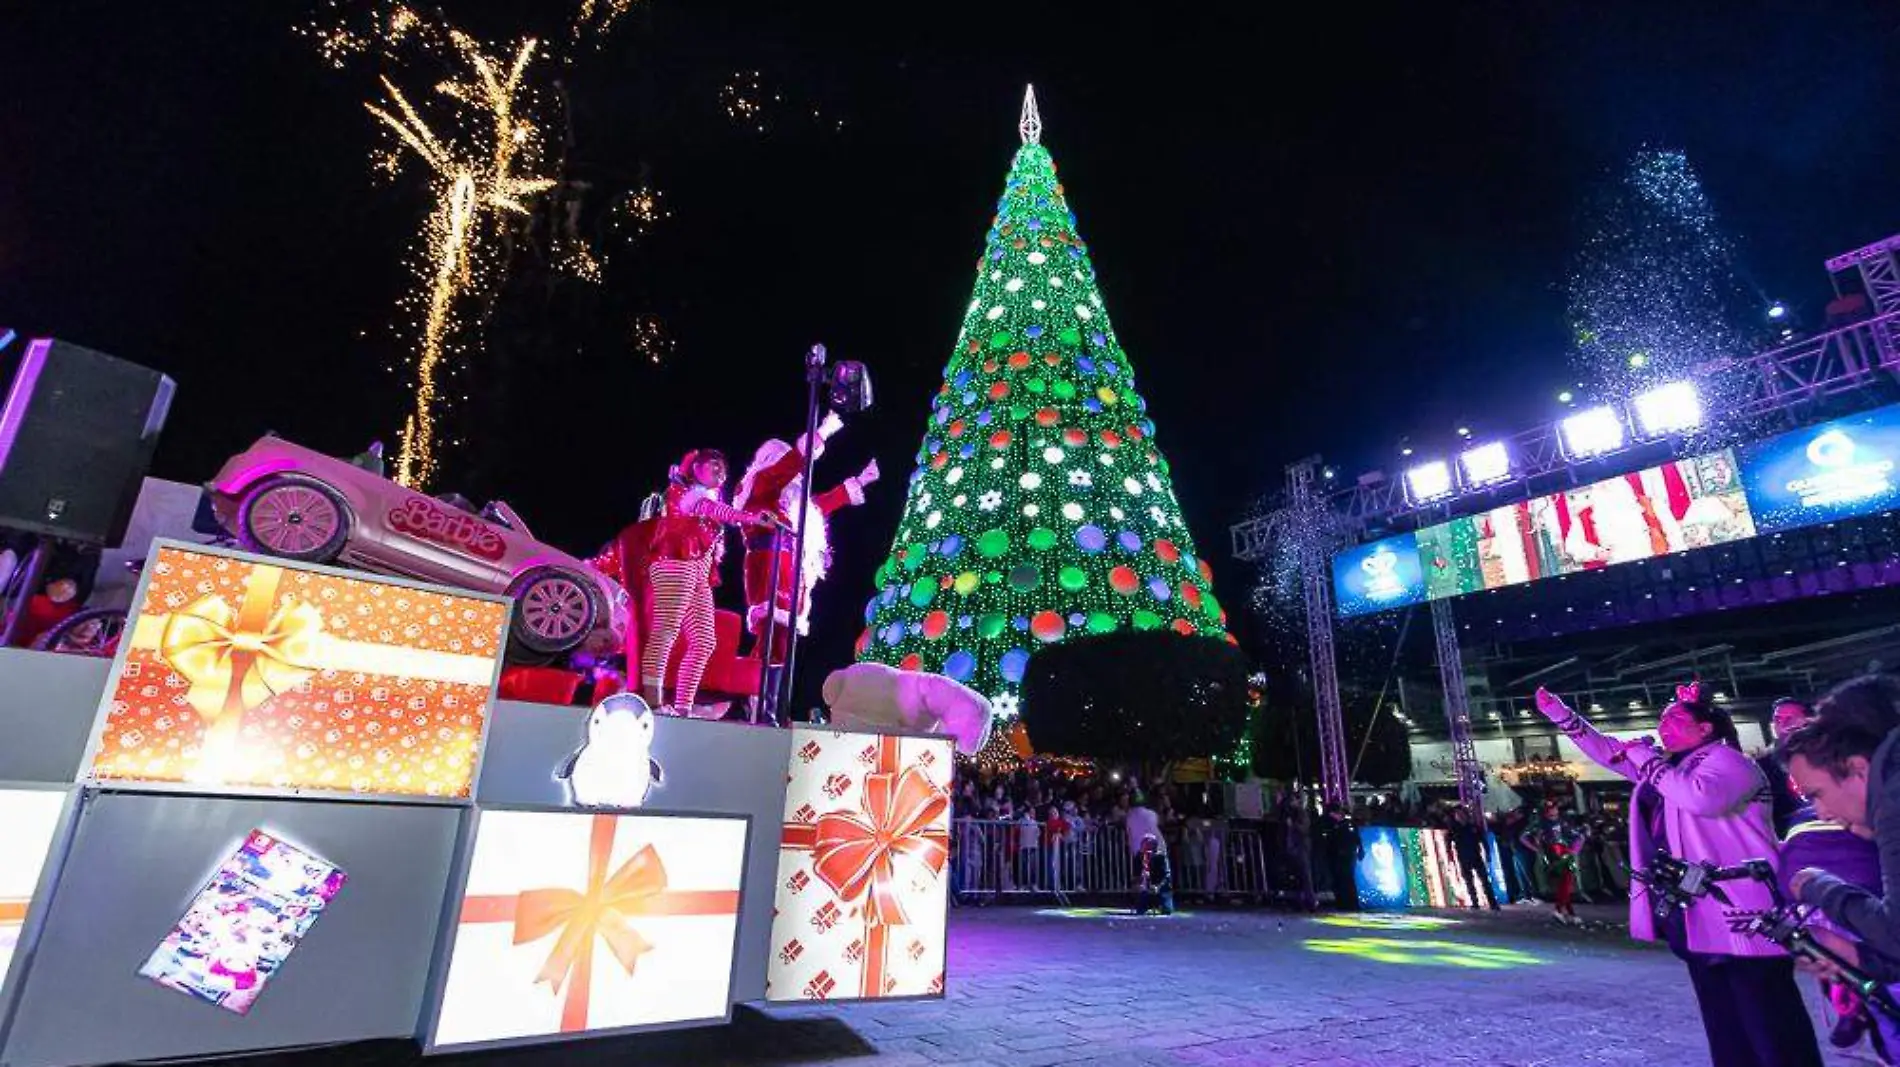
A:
<point x="862" y="899"/>
<point x="29" y="818"/>
<point x="257" y="673"/>
<point x="574" y="924"/>
<point x="1820" y="474"/>
<point x="1672" y="507"/>
<point x="1383" y="574"/>
<point x="245" y="922"/>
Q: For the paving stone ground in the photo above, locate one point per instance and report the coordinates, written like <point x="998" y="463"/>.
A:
<point x="1032" y="988"/>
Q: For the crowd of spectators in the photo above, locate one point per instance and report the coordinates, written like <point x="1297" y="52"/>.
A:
<point x="1046" y="808"/>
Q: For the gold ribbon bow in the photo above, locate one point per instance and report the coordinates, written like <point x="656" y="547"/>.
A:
<point x="236" y="660"/>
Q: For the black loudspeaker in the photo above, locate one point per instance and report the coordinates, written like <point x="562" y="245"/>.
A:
<point x="76" y="436"/>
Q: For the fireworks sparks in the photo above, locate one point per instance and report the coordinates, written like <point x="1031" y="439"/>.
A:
<point x="650" y="339"/>
<point x="744" y="100"/>
<point x="576" y="260"/>
<point x="343" y="32"/>
<point x="640" y="209"/>
<point x="469" y="182"/>
<point x="596" y="19"/>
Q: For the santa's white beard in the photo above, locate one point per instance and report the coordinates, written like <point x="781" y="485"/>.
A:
<point x="817" y="540"/>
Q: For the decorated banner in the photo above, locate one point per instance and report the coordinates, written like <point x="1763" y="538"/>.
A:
<point x="861" y="896"/>
<point x="29" y="819"/>
<point x="245" y="922"/>
<point x="239" y="672"/>
<point x="576" y="924"/>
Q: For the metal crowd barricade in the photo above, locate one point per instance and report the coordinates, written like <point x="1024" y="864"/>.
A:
<point x="997" y="860"/>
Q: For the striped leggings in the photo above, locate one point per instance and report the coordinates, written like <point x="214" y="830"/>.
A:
<point x="682" y="611"/>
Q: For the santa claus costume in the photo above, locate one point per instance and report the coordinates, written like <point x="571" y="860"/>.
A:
<point x="670" y="566"/>
<point x="772" y="484"/>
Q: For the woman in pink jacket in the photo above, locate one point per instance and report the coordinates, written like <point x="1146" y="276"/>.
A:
<point x="1703" y="801"/>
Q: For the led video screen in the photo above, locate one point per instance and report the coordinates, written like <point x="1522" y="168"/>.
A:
<point x="862" y="898"/>
<point x="1374" y="577"/>
<point x="245" y="922"/>
<point x="245" y="672"/>
<point x="1673" y="507"/>
<point x="1820" y="474"/>
<point x="29" y="819"/>
<point x="574" y="924"/>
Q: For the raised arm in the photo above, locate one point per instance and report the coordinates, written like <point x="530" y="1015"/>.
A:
<point x="1605" y="751"/>
<point x="848" y="493"/>
<point x="701" y="504"/>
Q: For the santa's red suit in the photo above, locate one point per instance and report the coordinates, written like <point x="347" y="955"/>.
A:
<point x="771" y="483"/>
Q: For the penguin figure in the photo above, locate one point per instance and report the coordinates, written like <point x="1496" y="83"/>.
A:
<point x="614" y="767"/>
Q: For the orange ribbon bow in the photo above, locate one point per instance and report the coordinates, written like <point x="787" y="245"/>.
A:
<point x="855" y="854"/>
<point x="602" y="911"/>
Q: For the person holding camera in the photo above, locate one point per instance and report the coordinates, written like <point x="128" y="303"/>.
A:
<point x="1846" y="762"/>
<point x="1699" y="799"/>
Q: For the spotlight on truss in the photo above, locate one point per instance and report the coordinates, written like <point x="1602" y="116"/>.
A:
<point x="1428" y="482"/>
<point x="1668" y="409"/>
<point x="1592" y="432"/>
<point x="1486" y="464"/>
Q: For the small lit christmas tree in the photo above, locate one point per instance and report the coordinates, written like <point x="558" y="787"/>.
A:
<point x="1040" y="509"/>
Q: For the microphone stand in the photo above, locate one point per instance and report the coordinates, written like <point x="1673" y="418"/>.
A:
<point x="767" y="701"/>
<point x="814" y="378"/>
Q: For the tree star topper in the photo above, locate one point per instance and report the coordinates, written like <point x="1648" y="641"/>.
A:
<point x="1031" y="124"/>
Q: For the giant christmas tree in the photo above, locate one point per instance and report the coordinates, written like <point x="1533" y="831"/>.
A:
<point x="1040" y="509"/>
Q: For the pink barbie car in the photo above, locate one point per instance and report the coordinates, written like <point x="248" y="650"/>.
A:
<point x="285" y="500"/>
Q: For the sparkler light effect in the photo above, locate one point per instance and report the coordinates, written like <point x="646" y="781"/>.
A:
<point x="470" y="182"/>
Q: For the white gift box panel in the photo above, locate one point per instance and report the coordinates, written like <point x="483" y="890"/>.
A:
<point x="573" y="924"/>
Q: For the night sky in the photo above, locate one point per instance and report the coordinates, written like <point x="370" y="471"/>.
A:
<point x="1315" y="233"/>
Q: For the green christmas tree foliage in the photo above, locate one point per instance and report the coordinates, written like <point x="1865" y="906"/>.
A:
<point x="1040" y="509"/>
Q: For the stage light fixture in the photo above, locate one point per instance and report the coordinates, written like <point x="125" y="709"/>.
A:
<point x="1428" y="482"/>
<point x="1777" y="310"/>
<point x="1593" y="432"/>
<point x="1487" y="464"/>
<point x="1669" y="409"/>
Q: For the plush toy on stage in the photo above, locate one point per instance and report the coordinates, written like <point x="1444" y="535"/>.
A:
<point x="773" y="484"/>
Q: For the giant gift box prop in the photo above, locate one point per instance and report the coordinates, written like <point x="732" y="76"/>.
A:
<point x="29" y="819"/>
<point x="861" y="895"/>
<point x="238" y="671"/>
<point x="573" y="924"/>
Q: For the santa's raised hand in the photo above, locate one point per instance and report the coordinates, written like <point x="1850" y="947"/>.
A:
<point x="868" y="474"/>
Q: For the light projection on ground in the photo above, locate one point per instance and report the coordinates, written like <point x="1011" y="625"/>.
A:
<point x="1424" y="953"/>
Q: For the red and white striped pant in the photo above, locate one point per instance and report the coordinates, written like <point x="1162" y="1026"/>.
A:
<point x="682" y="611"/>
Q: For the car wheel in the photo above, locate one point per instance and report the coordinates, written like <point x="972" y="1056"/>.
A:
<point x="294" y="518"/>
<point x="554" y="611"/>
<point x="93" y="632"/>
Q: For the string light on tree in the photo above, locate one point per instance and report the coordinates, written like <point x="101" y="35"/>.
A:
<point x="472" y="177"/>
<point x="1040" y="509"/>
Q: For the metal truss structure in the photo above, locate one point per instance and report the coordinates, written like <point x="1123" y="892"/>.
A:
<point x="1316" y="580"/>
<point x="1451" y="672"/>
<point x="1784" y="384"/>
<point x="1781" y="382"/>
